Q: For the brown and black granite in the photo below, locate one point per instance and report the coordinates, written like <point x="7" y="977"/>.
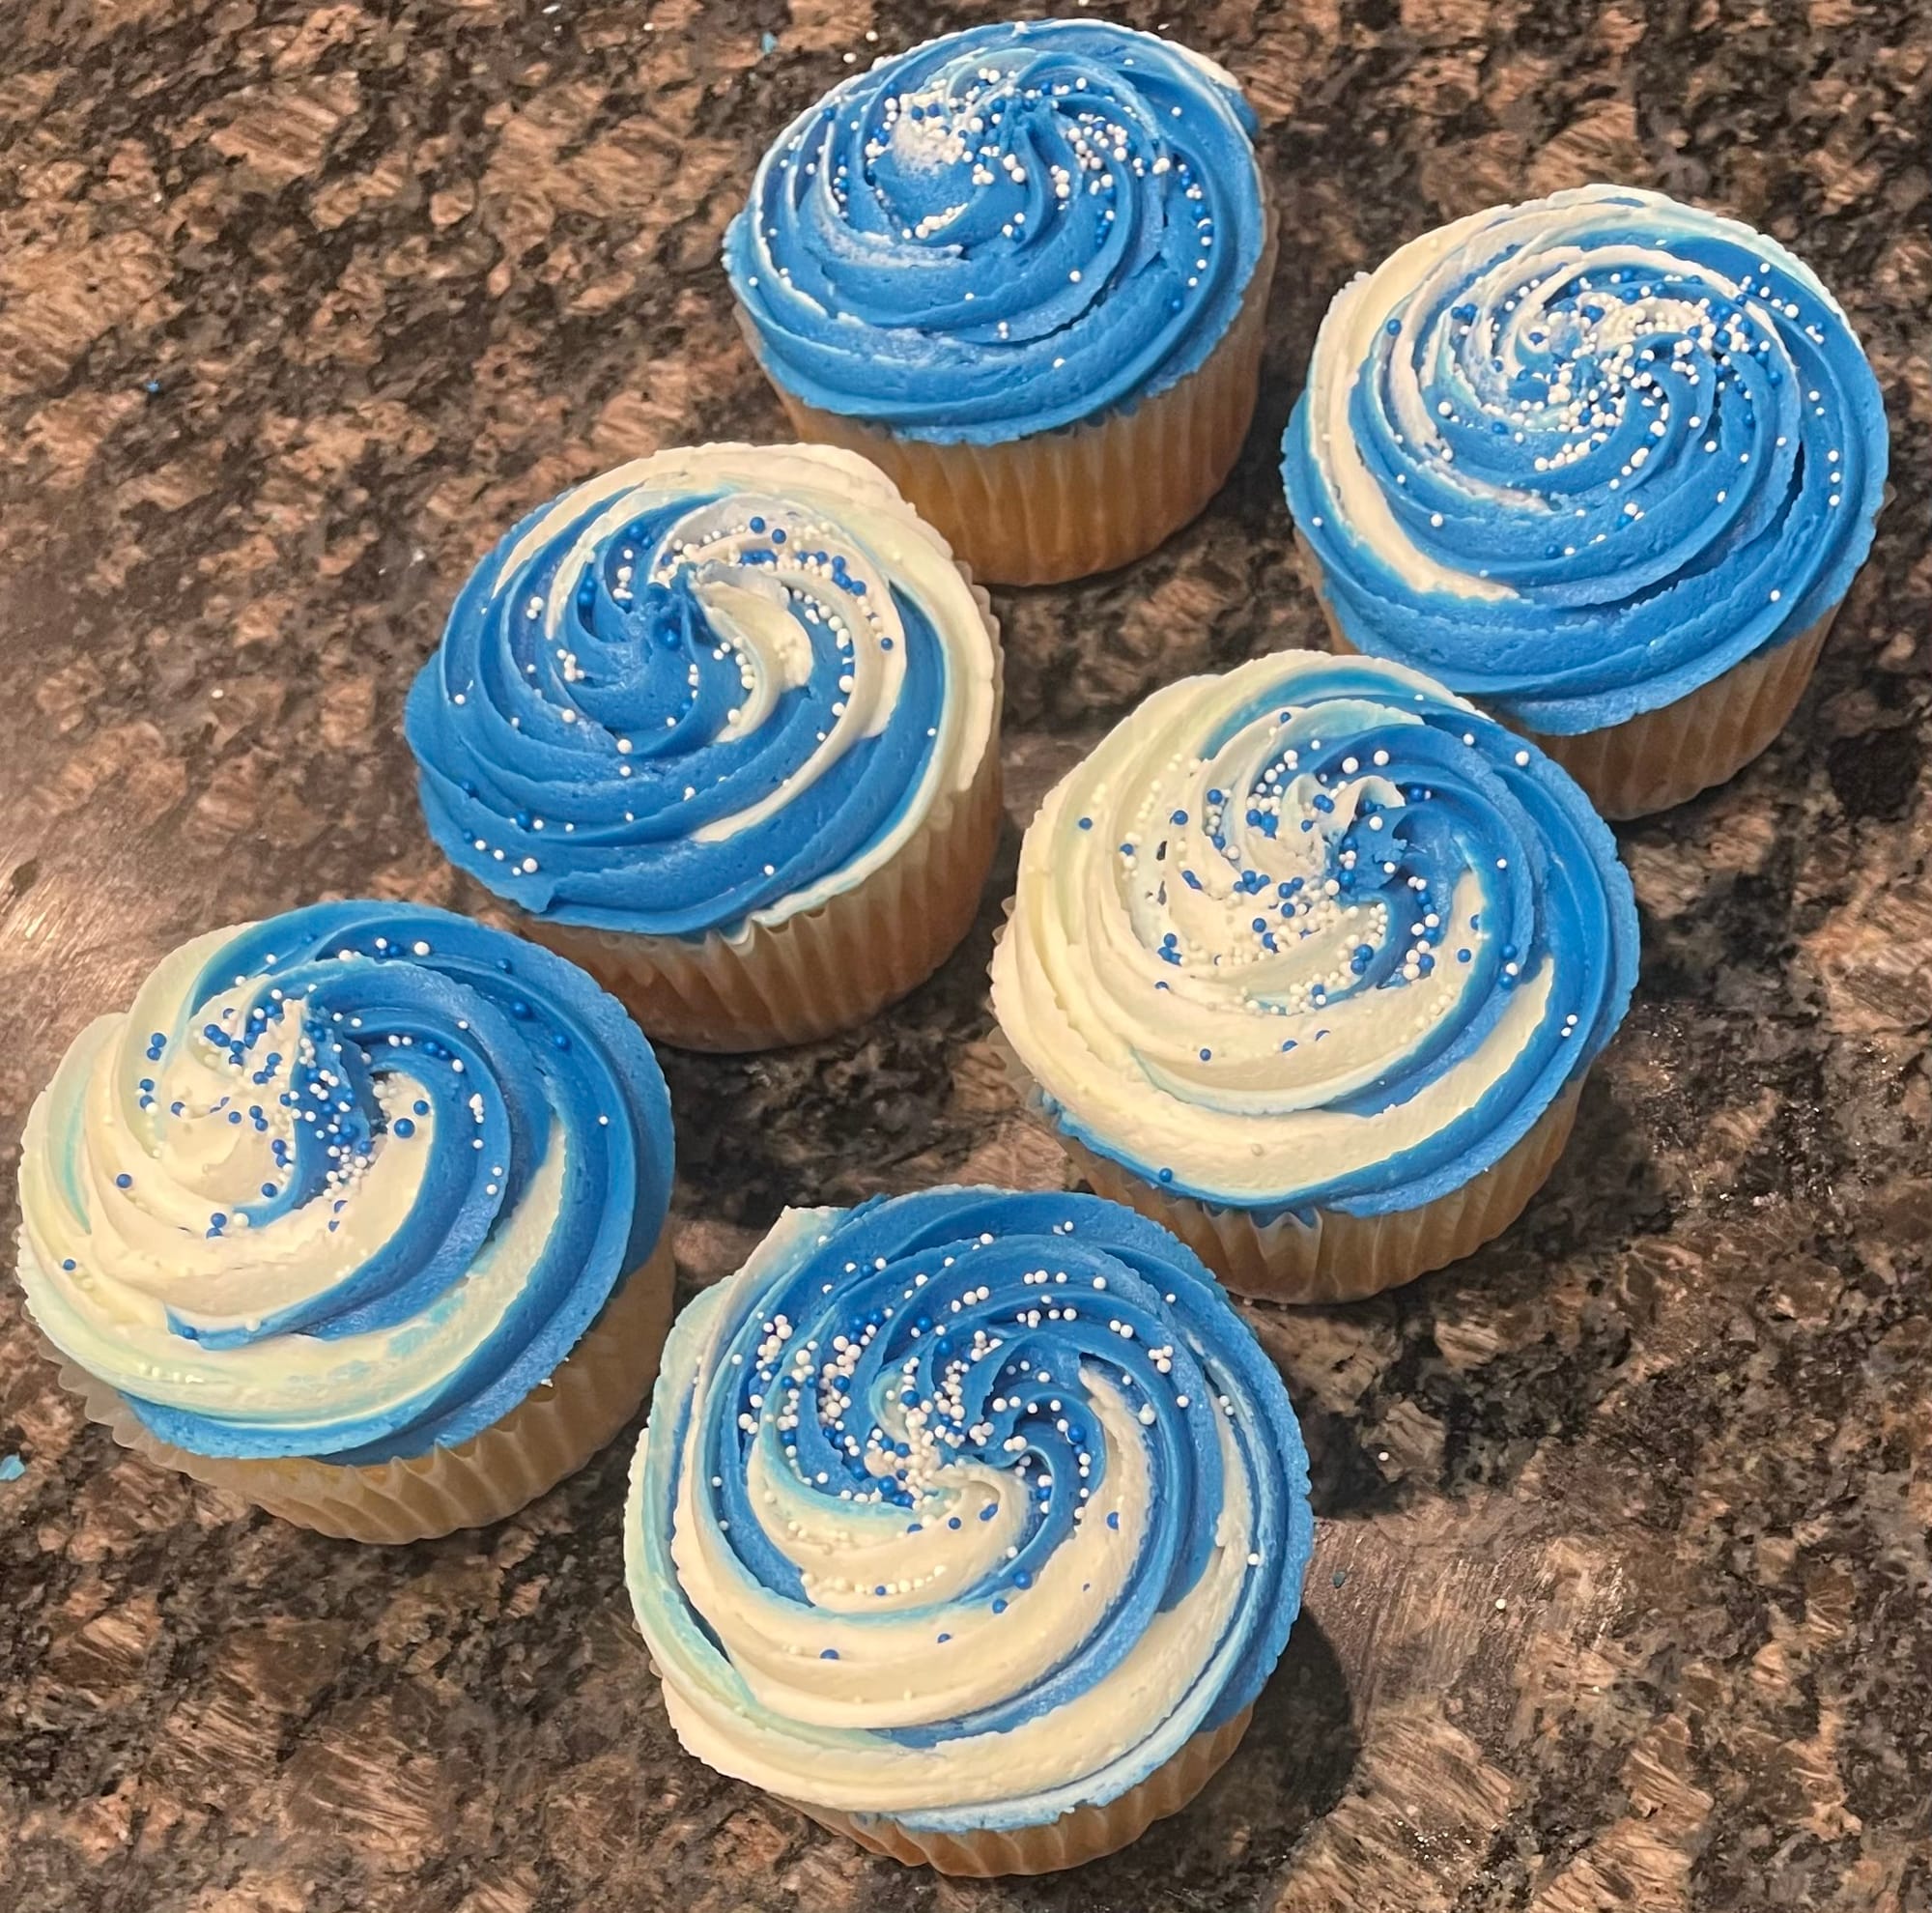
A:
<point x="1623" y="1592"/>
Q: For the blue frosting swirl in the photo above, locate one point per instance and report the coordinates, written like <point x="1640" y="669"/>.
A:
<point x="964" y="1507"/>
<point x="708" y="685"/>
<point x="1313" y="934"/>
<point x="349" y="1182"/>
<point x="1005" y="230"/>
<point x="1578" y="457"/>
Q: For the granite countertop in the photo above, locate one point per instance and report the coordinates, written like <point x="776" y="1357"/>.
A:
<point x="1620" y="1597"/>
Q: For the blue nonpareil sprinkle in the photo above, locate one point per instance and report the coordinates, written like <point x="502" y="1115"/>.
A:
<point x="11" y="1467"/>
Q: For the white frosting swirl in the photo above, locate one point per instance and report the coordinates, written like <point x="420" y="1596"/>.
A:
<point x="1312" y="932"/>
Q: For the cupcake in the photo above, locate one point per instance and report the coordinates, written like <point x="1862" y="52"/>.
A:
<point x="358" y="1213"/>
<point x="1024" y="269"/>
<point x="1605" y="464"/>
<point x="723" y="724"/>
<point x="1307" y="962"/>
<point x="969" y="1523"/>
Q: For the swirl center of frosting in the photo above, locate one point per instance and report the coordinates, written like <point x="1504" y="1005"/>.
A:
<point x="964" y="1507"/>
<point x="710" y="687"/>
<point x="1005" y="231"/>
<point x="1312" y="933"/>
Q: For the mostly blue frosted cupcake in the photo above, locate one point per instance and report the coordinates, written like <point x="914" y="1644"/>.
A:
<point x="723" y="724"/>
<point x="359" y="1214"/>
<point x="1603" y="463"/>
<point x="970" y="1523"/>
<point x="1024" y="269"/>
<point x="1308" y="962"/>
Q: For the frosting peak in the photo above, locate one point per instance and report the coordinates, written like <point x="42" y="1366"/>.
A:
<point x="710" y="687"/>
<point x="349" y="1182"/>
<point x="1005" y="230"/>
<point x="964" y="1507"/>
<point x="1578" y="457"/>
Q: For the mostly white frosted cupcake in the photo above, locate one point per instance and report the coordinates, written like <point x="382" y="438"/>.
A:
<point x="1603" y="463"/>
<point x="971" y="1523"/>
<point x="1025" y="269"/>
<point x="725" y="725"/>
<point x="359" y="1214"/>
<point x="1308" y="962"/>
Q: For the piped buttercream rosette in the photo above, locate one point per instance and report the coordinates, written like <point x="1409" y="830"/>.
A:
<point x="349" y="1183"/>
<point x="964" y="1508"/>
<point x="1314" y="936"/>
<point x="1581" y="456"/>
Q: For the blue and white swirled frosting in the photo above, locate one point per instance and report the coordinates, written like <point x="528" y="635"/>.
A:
<point x="1004" y="231"/>
<point x="712" y="687"/>
<point x="1312" y="934"/>
<point x="1578" y="457"/>
<point x="349" y="1182"/>
<point x="964" y="1507"/>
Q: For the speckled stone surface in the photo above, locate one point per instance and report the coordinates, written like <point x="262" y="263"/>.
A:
<point x="1622" y="1592"/>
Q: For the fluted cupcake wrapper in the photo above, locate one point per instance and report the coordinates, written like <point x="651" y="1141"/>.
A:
<point x="1085" y="1833"/>
<point x="825" y="969"/>
<point x="549" y="1435"/>
<point x="1087" y="497"/>
<point x="822" y="970"/>
<point x="1334" y="1256"/>
<point x="1331" y="1256"/>
<point x="1663" y="758"/>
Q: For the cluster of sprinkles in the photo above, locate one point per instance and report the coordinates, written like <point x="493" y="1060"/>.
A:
<point x="636" y="608"/>
<point x="325" y="1092"/>
<point x="945" y="1359"/>
<point x="1606" y="392"/>
<point x="1315" y="846"/>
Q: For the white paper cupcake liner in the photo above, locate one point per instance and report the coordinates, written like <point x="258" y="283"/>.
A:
<point x="1087" y="497"/>
<point x="549" y="1435"/>
<point x="1084" y="1834"/>
<point x="822" y="970"/>
<point x="1663" y="758"/>
<point x="1331" y="1256"/>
